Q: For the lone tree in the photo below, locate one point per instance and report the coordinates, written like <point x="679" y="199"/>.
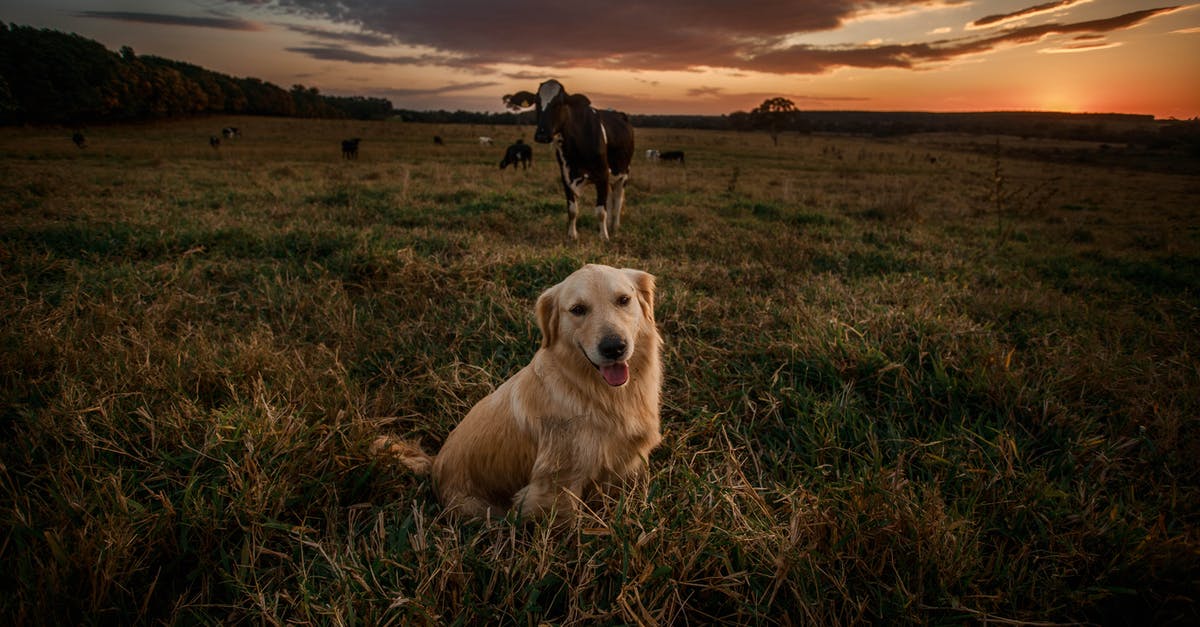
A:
<point x="774" y="114"/>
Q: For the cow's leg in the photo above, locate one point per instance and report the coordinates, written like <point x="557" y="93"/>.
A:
<point x="602" y="206"/>
<point x="616" y="202"/>
<point x="572" y="213"/>
<point x="572" y="208"/>
<point x="571" y="188"/>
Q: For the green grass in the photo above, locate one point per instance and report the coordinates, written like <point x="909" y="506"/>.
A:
<point x="878" y="406"/>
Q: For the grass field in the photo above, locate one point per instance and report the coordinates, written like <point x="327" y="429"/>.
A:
<point x="905" y="382"/>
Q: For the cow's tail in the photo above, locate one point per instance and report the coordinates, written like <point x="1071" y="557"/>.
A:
<point x="407" y="453"/>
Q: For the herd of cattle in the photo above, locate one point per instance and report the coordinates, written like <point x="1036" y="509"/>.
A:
<point x="591" y="146"/>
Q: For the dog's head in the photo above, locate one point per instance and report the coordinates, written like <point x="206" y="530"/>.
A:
<point x="603" y="315"/>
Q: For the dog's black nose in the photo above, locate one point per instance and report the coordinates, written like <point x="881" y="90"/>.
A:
<point x="613" y="347"/>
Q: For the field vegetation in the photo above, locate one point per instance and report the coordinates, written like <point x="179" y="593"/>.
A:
<point x="906" y="380"/>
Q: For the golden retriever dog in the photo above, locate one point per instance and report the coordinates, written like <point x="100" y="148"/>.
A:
<point x="583" y="415"/>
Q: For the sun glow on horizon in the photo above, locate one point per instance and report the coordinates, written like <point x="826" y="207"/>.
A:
<point x="1058" y="100"/>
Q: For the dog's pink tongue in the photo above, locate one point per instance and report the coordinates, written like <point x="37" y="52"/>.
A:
<point x="615" y="374"/>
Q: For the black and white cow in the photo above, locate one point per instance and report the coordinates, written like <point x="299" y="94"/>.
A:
<point x="517" y="154"/>
<point x="591" y="147"/>
<point x="230" y="132"/>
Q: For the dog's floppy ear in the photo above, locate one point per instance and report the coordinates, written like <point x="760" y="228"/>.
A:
<point x="547" y="316"/>
<point x="645" y="290"/>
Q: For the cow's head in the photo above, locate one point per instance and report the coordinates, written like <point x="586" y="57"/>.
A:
<point x="553" y="107"/>
<point x="551" y="114"/>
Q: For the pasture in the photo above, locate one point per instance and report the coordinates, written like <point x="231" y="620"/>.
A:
<point x="906" y="380"/>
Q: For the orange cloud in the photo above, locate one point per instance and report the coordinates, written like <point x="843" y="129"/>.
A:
<point x="1004" y="18"/>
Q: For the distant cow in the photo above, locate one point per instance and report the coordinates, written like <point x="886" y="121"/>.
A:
<point x="437" y="139"/>
<point x="485" y="141"/>
<point x="230" y="132"/>
<point x="672" y="155"/>
<point x="350" y="148"/>
<point x="80" y="142"/>
<point x="591" y="147"/>
<point x="519" y="153"/>
<point x="214" y="141"/>
<point x="651" y="155"/>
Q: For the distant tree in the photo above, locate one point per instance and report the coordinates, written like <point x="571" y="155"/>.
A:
<point x="741" y="121"/>
<point x="55" y="77"/>
<point x="8" y="104"/>
<point x="774" y="114"/>
<point x="361" y="108"/>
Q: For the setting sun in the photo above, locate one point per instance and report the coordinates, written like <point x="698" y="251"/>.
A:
<point x="1054" y="100"/>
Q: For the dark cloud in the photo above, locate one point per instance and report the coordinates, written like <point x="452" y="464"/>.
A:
<point x="348" y="55"/>
<point x="437" y="91"/>
<point x="226" y="23"/>
<point x="337" y="53"/>
<point x="701" y="92"/>
<point x="993" y="20"/>
<point x="359" y="38"/>
<point x="678" y="35"/>
<point x="666" y="34"/>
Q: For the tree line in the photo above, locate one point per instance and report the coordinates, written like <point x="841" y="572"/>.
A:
<point x="777" y="116"/>
<point x="47" y="76"/>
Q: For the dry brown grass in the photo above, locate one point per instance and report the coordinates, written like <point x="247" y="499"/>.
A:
<point x="878" y="408"/>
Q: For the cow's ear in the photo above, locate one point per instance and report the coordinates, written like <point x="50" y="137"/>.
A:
<point x="519" y="100"/>
<point x="579" y="100"/>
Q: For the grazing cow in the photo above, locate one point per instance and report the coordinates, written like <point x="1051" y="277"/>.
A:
<point x="651" y="155"/>
<point x="437" y="139"/>
<point x="591" y="147"/>
<point x="80" y="142"/>
<point x="350" y="148"/>
<point x="214" y="141"/>
<point x="519" y="153"/>
<point x="230" y="132"/>
<point x="672" y="155"/>
<point x="485" y="141"/>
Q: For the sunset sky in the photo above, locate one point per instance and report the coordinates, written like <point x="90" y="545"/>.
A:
<point x="679" y="56"/>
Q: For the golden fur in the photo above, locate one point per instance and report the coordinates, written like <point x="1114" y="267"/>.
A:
<point x="579" y="416"/>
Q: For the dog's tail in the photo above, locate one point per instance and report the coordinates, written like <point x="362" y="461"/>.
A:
<point x="407" y="453"/>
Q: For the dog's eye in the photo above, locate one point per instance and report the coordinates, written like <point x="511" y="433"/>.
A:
<point x="578" y="310"/>
<point x="622" y="300"/>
